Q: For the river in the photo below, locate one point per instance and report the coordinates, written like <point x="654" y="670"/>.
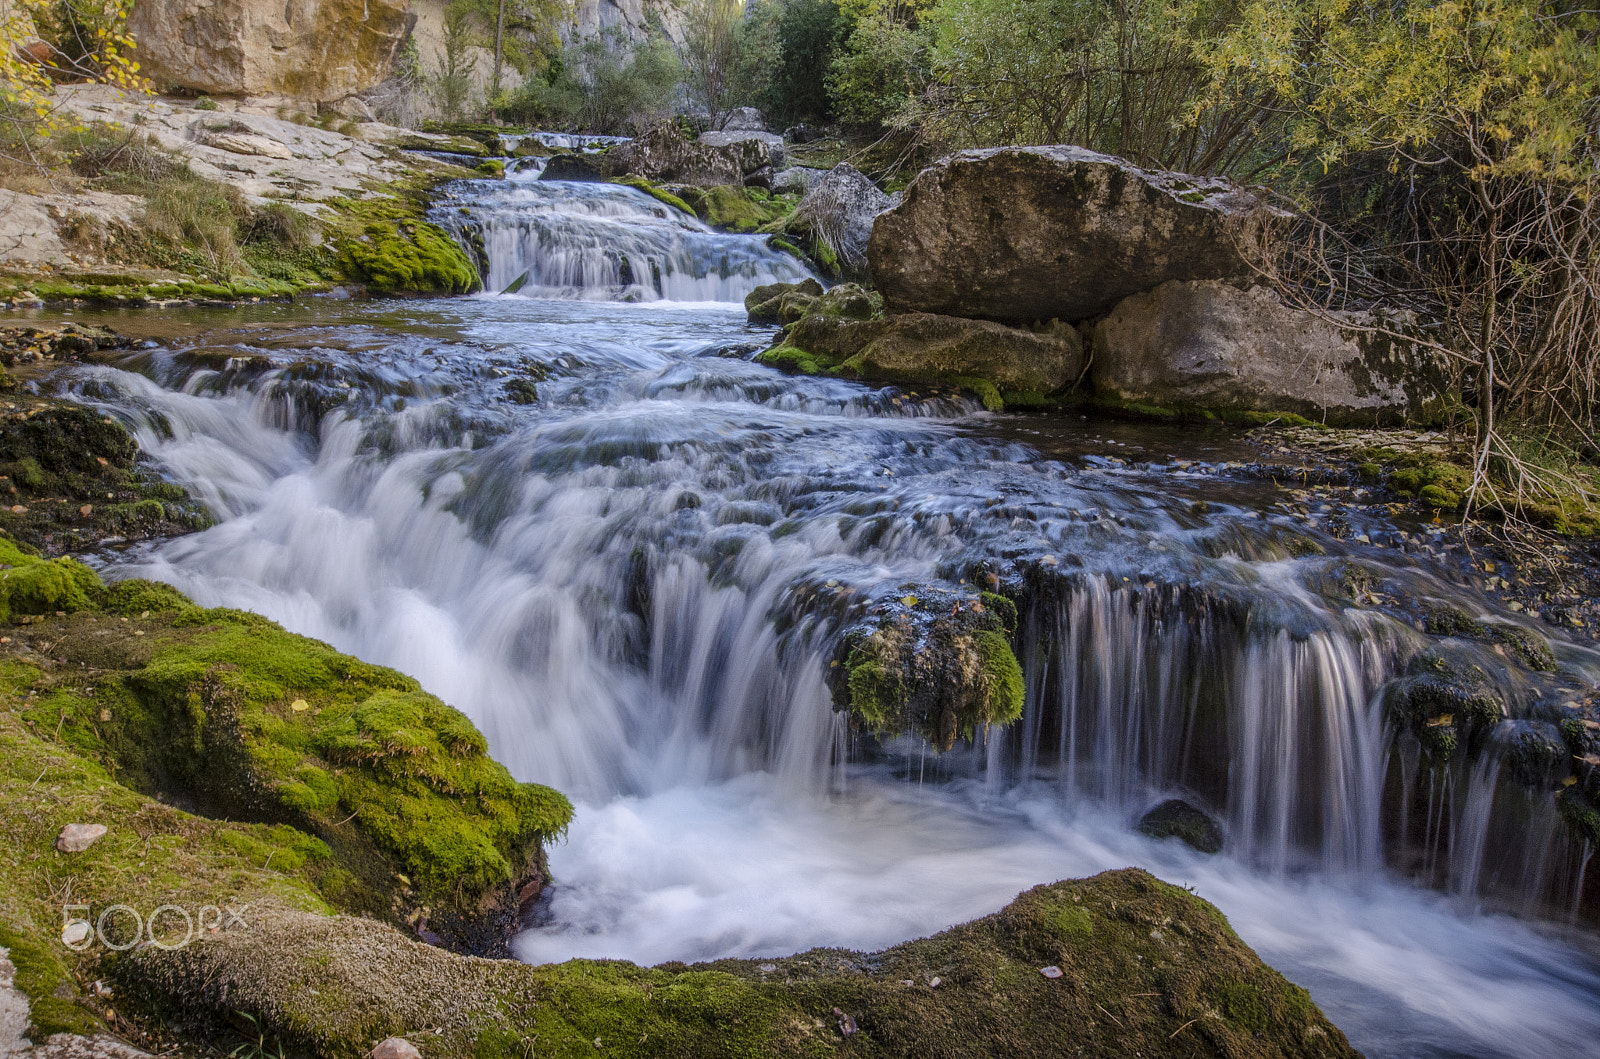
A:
<point x="618" y="580"/>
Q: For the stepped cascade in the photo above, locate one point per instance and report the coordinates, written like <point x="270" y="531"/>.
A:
<point x="634" y="557"/>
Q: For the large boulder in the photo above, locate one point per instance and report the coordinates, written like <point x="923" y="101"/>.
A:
<point x="663" y="155"/>
<point x="1039" y="233"/>
<point x="1207" y="344"/>
<point x="841" y="333"/>
<point x="320" y="50"/>
<point x="839" y="210"/>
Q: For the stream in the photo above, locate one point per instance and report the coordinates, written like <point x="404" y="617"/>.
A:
<point x="618" y="582"/>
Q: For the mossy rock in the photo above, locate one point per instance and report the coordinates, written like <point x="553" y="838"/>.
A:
<point x="1145" y="968"/>
<point x="661" y="195"/>
<point x="733" y="208"/>
<point x="938" y="664"/>
<point x="408" y="258"/>
<point x="226" y="712"/>
<point x="1176" y="818"/>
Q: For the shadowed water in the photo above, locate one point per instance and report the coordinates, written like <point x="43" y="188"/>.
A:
<point x="635" y="586"/>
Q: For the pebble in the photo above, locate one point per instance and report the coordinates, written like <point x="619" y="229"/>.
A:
<point x="847" y="1026"/>
<point x="75" y="933"/>
<point x="1050" y="972"/>
<point x="395" y="1048"/>
<point x="75" y="838"/>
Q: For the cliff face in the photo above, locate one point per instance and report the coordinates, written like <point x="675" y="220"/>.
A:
<point x="318" y="50"/>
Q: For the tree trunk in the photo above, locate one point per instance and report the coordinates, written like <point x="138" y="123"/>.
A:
<point x="499" y="38"/>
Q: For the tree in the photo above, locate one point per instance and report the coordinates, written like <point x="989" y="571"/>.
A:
<point x="1457" y="145"/>
<point x="45" y="41"/>
<point x="809" y="35"/>
<point x="727" y="54"/>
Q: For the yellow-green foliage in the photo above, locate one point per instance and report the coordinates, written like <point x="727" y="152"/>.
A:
<point x="659" y="194"/>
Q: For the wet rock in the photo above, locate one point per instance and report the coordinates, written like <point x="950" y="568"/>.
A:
<point x="576" y="167"/>
<point x="1442" y="698"/>
<point x="1176" y="818"/>
<point x="395" y="1048"/>
<point x="305" y="49"/>
<point x="1531" y="752"/>
<point x="940" y="665"/>
<point x="1037" y="233"/>
<point x="1209" y="345"/>
<point x="781" y="303"/>
<point x="664" y="155"/>
<point x="75" y="838"/>
<point x="839" y="210"/>
<point x="842" y="334"/>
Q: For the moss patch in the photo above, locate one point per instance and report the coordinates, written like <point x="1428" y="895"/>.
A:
<point x="659" y="194"/>
<point x="737" y="209"/>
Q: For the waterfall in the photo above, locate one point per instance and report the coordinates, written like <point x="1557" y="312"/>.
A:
<point x="607" y="242"/>
<point x="636" y="586"/>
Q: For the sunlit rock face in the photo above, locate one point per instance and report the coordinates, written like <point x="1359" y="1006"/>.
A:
<point x="316" y="50"/>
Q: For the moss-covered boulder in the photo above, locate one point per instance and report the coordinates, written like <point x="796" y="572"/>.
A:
<point x="735" y="208"/>
<point x="781" y="303"/>
<point x="70" y="475"/>
<point x="229" y="715"/>
<point x="939" y="665"/>
<point x="846" y="334"/>
<point x="1138" y="967"/>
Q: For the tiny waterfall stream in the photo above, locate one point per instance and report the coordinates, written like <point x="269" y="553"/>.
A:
<point x="615" y="582"/>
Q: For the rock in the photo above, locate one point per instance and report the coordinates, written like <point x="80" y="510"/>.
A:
<point x="1176" y="818"/>
<point x="395" y="1048"/>
<point x="770" y="140"/>
<point x="1038" y="233"/>
<point x="922" y="347"/>
<point x="839" y="208"/>
<point x="803" y="133"/>
<point x="353" y="107"/>
<point x="796" y="179"/>
<point x="76" y="933"/>
<point x="75" y="838"/>
<point x="579" y="167"/>
<point x="1206" y="344"/>
<point x="664" y="155"/>
<point x="245" y="143"/>
<point x="745" y="119"/>
<point x="781" y="303"/>
<point x="761" y="178"/>
<point x="319" y="50"/>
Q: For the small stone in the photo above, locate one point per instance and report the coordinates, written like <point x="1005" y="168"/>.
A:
<point x="75" y="933"/>
<point x="299" y="706"/>
<point x="935" y="982"/>
<point x="847" y="1024"/>
<point x="18" y="509"/>
<point x="396" y="1048"/>
<point x="75" y="838"/>
<point x="1050" y="972"/>
<point x="86" y="510"/>
<point x="105" y="715"/>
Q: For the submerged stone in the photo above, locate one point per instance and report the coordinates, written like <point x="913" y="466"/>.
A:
<point x="1176" y="818"/>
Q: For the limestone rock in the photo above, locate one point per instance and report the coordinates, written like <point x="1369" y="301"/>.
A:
<point x="245" y="143"/>
<point x="744" y="119"/>
<point x="318" y="50"/>
<point x="796" y="179"/>
<point x="664" y="155"/>
<point x="781" y="303"/>
<point x="396" y="1048"/>
<point x="1206" y="344"/>
<point x="840" y="208"/>
<point x="1038" y="233"/>
<point x="75" y="838"/>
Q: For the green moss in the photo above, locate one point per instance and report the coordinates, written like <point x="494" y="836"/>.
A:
<point x="659" y="194"/>
<point x="43" y="975"/>
<point x="31" y="585"/>
<point x="1242" y="1003"/>
<point x="1002" y="679"/>
<point x="985" y="390"/>
<point x="408" y="258"/>
<point x="1074" y="921"/>
<point x="1002" y="609"/>
<point x="737" y="209"/>
<point x="797" y="361"/>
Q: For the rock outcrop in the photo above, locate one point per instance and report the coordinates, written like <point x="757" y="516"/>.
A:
<point x="842" y="333"/>
<point x="663" y="155"/>
<point x="319" y="50"/>
<point x="839" y="209"/>
<point x="1019" y="234"/>
<point x="1206" y="344"/>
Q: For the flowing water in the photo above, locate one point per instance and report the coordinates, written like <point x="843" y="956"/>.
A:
<point x="635" y="586"/>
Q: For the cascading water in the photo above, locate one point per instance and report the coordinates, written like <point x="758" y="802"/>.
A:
<point x="636" y="586"/>
<point x="612" y="243"/>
